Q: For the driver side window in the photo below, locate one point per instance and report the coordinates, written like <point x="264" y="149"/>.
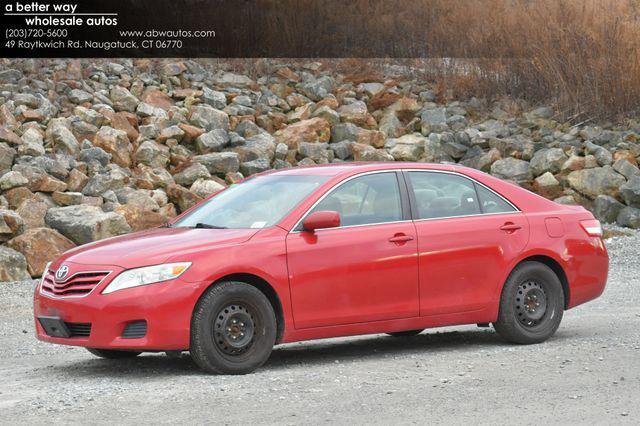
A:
<point x="368" y="199"/>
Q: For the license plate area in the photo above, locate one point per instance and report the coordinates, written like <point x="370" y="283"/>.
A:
<point x="54" y="327"/>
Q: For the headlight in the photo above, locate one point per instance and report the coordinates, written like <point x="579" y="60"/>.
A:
<point x="44" y="273"/>
<point x="147" y="275"/>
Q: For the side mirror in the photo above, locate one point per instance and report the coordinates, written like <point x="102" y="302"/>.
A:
<point x="321" y="220"/>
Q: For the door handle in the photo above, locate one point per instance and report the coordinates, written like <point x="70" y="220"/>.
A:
<point x="400" y="238"/>
<point x="510" y="227"/>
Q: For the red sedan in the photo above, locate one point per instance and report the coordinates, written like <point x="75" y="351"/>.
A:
<point x="328" y="251"/>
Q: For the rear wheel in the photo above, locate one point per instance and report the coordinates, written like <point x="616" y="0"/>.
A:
<point x="233" y="329"/>
<point x="407" y="333"/>
<point x="113" y="354"/>
<point x="531" y="305"/>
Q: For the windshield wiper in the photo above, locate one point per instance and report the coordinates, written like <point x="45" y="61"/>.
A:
<point x="207" y="226"/>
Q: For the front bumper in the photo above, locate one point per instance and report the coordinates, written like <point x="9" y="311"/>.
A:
<point x="166" y="307"/>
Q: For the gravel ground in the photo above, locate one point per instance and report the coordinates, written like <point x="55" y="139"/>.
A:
<point x="588" y="373"/>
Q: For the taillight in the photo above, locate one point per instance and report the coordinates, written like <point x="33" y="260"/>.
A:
<point x="592" y="227"/>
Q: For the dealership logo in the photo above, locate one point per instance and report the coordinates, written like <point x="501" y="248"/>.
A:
<point x="62" y="272"/>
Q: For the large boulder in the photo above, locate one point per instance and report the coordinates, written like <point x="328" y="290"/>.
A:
<point x="39" y="246"/>
<point x="190" y="174"/>
<point x="606" y="208"/>
<point x="257" y="147"/>
<point x="596" y="181"/>
<point x="318" y="152"/>
<point x="95" y="155"/>
<point x="64" y="141"/>
<point x="212" y="141"/>
<point x="182" y="197"/>
<point x="123" y="100"/>
<point x="252" y="167"/>
<point x="32" y="212"/>
<point x="547" y="185"/>
<point x="316" y="89"/>
<point x="356" y="112"/>
<point x="11" y="224"/>
<point x="209" y="118"/>
<point x="479" y="159"/>
<point x="433" y="120"/>
<point x="9" y="137"/>
<point x="157" y="99"/>
<point x="205" y="187"/>
<point x="13" y="265"/>
<point x="139" y="218"/>
<point x="311" y="130"/>
<point x="152" y="154"/>
<point x="362" y="152"/>
<point x="511" y="169"/>
<point x="12" y="180"/>
<point x="406" y="148"/>
<point x="39" y="180"/>
<point x="83" y="224"/>
<point x="115" y="142"/>
<point x="547" y="160"/>
<point x="219" y="163"/>
<point x="7" y="155"/>
<point x="434" y="151"/>
<point x="630" y="191"/>
<point x="625" y="168"/>
<point x="214" y="98"/>
<point x="629" y="217"/>
<point x="32" y="143"/>
<point x="101" y="182"/>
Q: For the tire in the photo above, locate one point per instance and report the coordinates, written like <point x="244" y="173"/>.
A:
<point x="408" y="333"/>
<point x="113" y="354"/>
<point x="221" y="346"/>
<point x="531" y="305"/>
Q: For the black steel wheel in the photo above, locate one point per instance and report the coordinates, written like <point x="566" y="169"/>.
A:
<point x="531" y="305"/>
<point x="407" y="333"/>
<point x="233" y="329"/>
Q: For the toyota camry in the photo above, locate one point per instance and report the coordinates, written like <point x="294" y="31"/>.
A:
<point x="327" y="251"/>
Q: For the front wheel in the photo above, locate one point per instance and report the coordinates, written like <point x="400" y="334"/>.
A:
<point x="531" y="305"/>
<point x="233" y="329"/>
<point x="113" y="354"/>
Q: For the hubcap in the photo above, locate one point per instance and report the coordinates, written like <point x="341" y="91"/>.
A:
<point x="234" y="329"/>
<point x="531" y="303"/>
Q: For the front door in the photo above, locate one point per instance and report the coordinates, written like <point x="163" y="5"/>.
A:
<point x="366" y="269"/>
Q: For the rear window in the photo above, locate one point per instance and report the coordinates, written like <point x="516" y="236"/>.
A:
<point x="492" y="203"/>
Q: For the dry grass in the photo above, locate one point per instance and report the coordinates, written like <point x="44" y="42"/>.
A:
<point x="581" y="55"/>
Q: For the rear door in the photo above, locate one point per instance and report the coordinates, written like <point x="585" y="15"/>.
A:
<point x="467" y="237"/>
<point x="366" y="269"/>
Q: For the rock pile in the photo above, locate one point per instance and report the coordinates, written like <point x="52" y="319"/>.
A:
<point x="96" y="148"/>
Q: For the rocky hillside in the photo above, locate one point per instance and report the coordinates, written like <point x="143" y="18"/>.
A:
<point x="91" y="149"/>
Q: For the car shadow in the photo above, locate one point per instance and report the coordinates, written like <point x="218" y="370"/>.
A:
<point x="380" y="346"/>
<point x="284" y="356"/>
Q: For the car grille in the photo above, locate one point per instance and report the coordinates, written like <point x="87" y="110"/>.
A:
<point x="78" y="329"/>
<point x="135" y="330"/>
<point x="78" y="284"/>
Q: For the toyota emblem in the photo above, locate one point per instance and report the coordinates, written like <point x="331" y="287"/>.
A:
<point x="62" y="272"/>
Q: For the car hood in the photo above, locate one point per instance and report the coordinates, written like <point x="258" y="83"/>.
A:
<point x="153" y="246"/>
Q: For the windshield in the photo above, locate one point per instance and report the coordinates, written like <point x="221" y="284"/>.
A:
<point x="255" y="203"/>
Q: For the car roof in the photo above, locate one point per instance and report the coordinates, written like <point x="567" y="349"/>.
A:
<point x="520" y="197"/>
<point x="337" y="169"/>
